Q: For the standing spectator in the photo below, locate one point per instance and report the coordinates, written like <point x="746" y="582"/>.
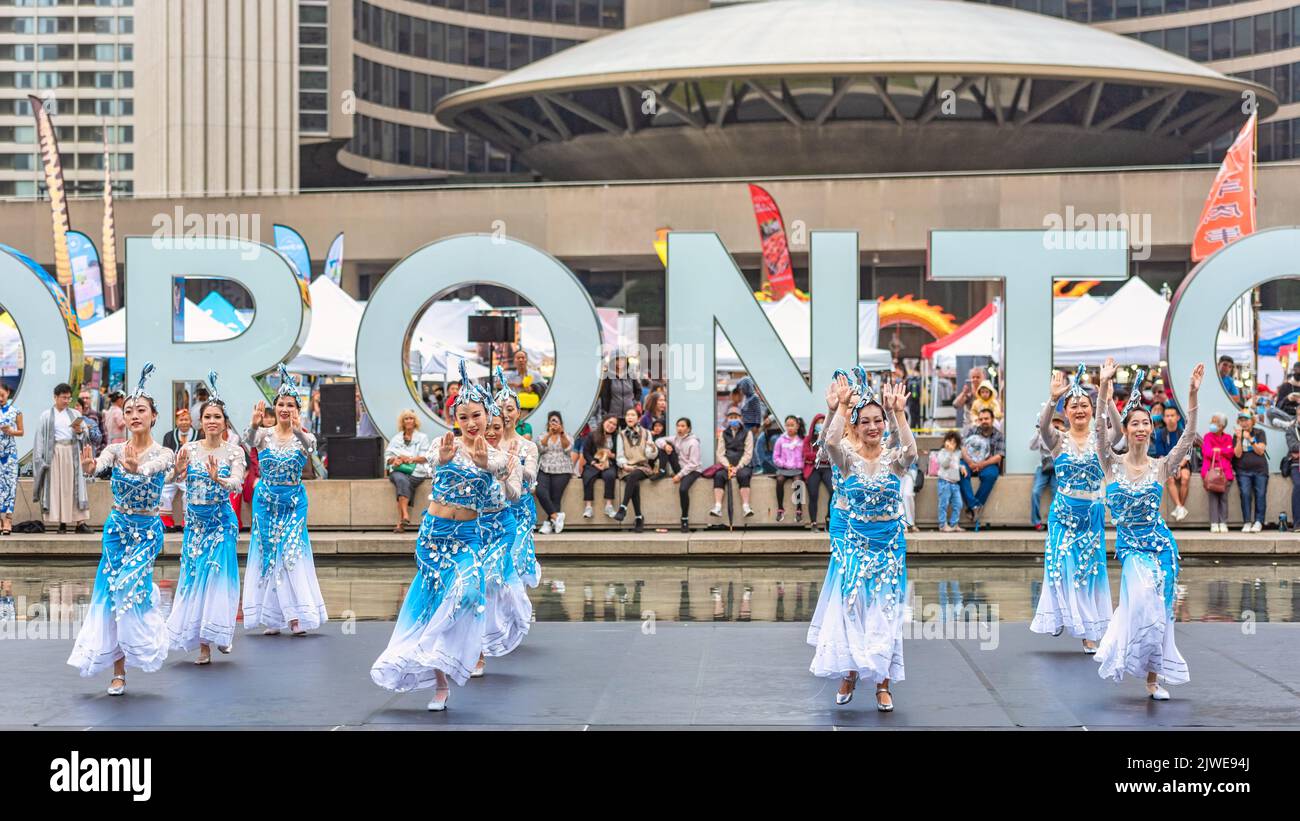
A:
<point x="634" y="454"/>
<point x="11" y="427"/>
<point x="521" y="377"/>
<point x="201" y="395"/>
<point x="1162" y="442"/>
<point x="1226" y="376"/>
<point x="816" y="469"/>
<point x="1288" y="393"/>
<point x="182" y="434"/>
<point x="58" y="483"/>
<point x="735" y="455"/>
<point x="951" y="471"/>
<point x="1044" y="474"/>
<point x="114" y="421"/>
<point x="554" y="470"/>
<point x="93" y="433"/>
<point x="448" y="413"/>
<point x="787" y="456"/>
<point x="753" y="414"/>
<point x="683" y="453"/>
<point x="983" y="450"/>
<point x="1292" y="467"/>
<point x="618" y="392"/>
<point x="1216" y="452"/>
<point x="1250" y="464"/>
<point x="598" y="457"/>
<point x="407" y="461"/>
<point x="962" y="401"/>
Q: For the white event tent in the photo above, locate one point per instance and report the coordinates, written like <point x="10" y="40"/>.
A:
<point x="791" y="317"/>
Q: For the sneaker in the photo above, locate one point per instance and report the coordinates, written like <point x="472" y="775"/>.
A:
<point x="1245" y="528"/>
<point x="686" y="525"/>
<point x="621" y="514"/>
<point x="1040" y="527"/>
<point x="943" y="529"/>
<point x="609" y="509"/>
<point x="798" y="515"/>
<point x="82" y="527"/>
<point x="1256" y="527"/>
<point x="546" y="526"/>
<point x="1180" y="513"/>
<point x="716" y="510"/>
<point x="749" y="511"/>
<point x="638" y="524"/>
<point x="559" y="521"/>
<point x="780" y="516"/>
<point x="586" y="512"/>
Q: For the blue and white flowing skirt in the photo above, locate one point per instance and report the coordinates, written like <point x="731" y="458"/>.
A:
<point x="1076" y="588"/>
<point x="280" y="580"/>
<point x="123" y="620"/>
<point x="8" y="474"/>
<point x="440" y="625"/>
<point x="207" y="595"/>
<point x="1140" y="638"/>
<point x="858" y="624"/>
<point x="509" y="613"/>
<point x="525" y="549"/>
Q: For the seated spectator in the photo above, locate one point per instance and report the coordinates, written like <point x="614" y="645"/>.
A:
<point x="656" y="409"/>
<point x="407" y="462"/>
<point x="173" y="440"/>
<point x="735" y="455"/>
<point x="1291" y="464"/>
<point x="635" y="454"/>
<point x="983" y="449"/>
<point x="787" y="456"/>
<point x="1162" y="441"/>
<point x="554" y="470"/>
<point x="598" y="460"/>
<point x="1044" y="474"/>
<point x="683" y="455"/>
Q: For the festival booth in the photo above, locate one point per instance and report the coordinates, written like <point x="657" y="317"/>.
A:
<point x="979" y="337"/>
<point x="107" y="337"/>
<point x="331" y="346"/>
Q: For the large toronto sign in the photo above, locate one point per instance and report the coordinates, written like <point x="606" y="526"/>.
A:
<point x="705" y="293"/>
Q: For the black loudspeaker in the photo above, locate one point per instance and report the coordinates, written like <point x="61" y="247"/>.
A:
<point x="485" y="328"/>
<point x="338" y="410"/>
<point x="355" y="457"/>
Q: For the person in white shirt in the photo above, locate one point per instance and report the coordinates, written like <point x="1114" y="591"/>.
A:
<point x="407" y="461"/>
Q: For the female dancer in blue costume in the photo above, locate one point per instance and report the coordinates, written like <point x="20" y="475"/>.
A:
<point x="524" y="551"/>
<point x="11" y="427"/>
<point x="280" y="586"/>
<point x="1140" y="639"/>
<point x="439" y="630"/>
<point x="858" y="625"/>
<point x="123" y="625"/>
<point x="1076" y="589"/>
<point x="207" y="594"/>
<point x="507" y="611"/>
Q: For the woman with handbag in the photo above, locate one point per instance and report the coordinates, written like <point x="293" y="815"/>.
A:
<point x="407" y="460"/>
<point x="1216" y="471"/>
<point x="1140" y="638"/>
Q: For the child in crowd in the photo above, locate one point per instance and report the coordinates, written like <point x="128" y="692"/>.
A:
<point x="950" y="472"/>
<point x="787" y="455"/>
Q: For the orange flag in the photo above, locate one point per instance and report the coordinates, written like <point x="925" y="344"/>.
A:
<point x="1229" y="212"/>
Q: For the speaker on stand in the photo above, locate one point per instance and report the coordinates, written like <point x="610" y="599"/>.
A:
<point x="491" y="328"/>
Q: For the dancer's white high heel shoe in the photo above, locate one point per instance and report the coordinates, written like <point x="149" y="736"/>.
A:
<point x="1158" y="694"/>
<point x="437" y="705"/>
<point x="117" y="689"/>
<point x="844" y="698"/>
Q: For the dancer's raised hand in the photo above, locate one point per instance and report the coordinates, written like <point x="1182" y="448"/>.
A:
<point x="447" y="447"/>
<point x="479" y="452"/>
<point x="87" y="459"/>
<point x="1198" y="373"/>
<point x="1059" y="384"/>
<point x="1108" y="369"/>
<point x="130" y="458"/>
<point x="259" y="411"/>
<point x="182" y="461"/>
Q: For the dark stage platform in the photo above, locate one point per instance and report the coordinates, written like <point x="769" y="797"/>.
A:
<point x="579" y="676"/>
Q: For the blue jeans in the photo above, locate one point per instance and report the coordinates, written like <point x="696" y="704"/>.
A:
<point x="1252" y="486"/>
<point x="988" y="477"/>
<point x="949" y="503"/>
<point x="1041" y="482"/>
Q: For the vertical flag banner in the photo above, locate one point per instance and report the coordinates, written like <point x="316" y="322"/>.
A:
<point x="777" y="273"/>
<point x="54" y="185"/>
<point x="109" y="235"/>
<point x="290" y="243"/>
<point x="661" y="245"/>
<point x="87" y="284"/>
<point x="334" y="260"/>
<point x="1229" y="212"/>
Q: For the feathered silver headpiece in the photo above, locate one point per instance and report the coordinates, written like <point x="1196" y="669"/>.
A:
<point x="506" y="392"/>
<point x="288" y="386"/>
<point x="472" y="393"/>
<point x="1077" y="388"/>
<point x="139" y="392"/>
<point x="213" y="396"/>
<point x="867" y="391"/>
<point x="1135" y="395"/>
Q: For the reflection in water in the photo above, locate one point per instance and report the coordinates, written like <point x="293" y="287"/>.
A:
<point x="771" y="589"/>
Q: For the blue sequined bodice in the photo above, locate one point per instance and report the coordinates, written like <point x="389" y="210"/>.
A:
<point x="1078" y="471"/>
<point x="868" y="495"/>
<point x="1134" y="505"/>
<point x="281" y="464"/>
<point x="135" y="491"/>
<point x="199" y="487"/>
<point x="461" y="483"/>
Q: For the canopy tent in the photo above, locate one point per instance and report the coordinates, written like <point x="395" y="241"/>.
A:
<point x="219" y="308"/>
<point x="1128" y="327"/>
<point x="1278" y="330"/>
<point x="1080" y="309"/>
<point x="978" y="336"/>
<point x="331" y="346"/>
<point x="792" y="320"/>
<point x="107" y="338"/>
<point x="445" y="323"/>
<point x="429" y="360"/>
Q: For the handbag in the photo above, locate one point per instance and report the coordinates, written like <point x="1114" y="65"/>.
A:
<point x="1215" y="480"/>
<point x="708" y="472"/>
<point x="406" y="467"/>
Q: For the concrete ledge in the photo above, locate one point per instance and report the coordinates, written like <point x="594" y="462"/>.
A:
<point x="369" y="505"/>
<point x="719" y="543"/>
